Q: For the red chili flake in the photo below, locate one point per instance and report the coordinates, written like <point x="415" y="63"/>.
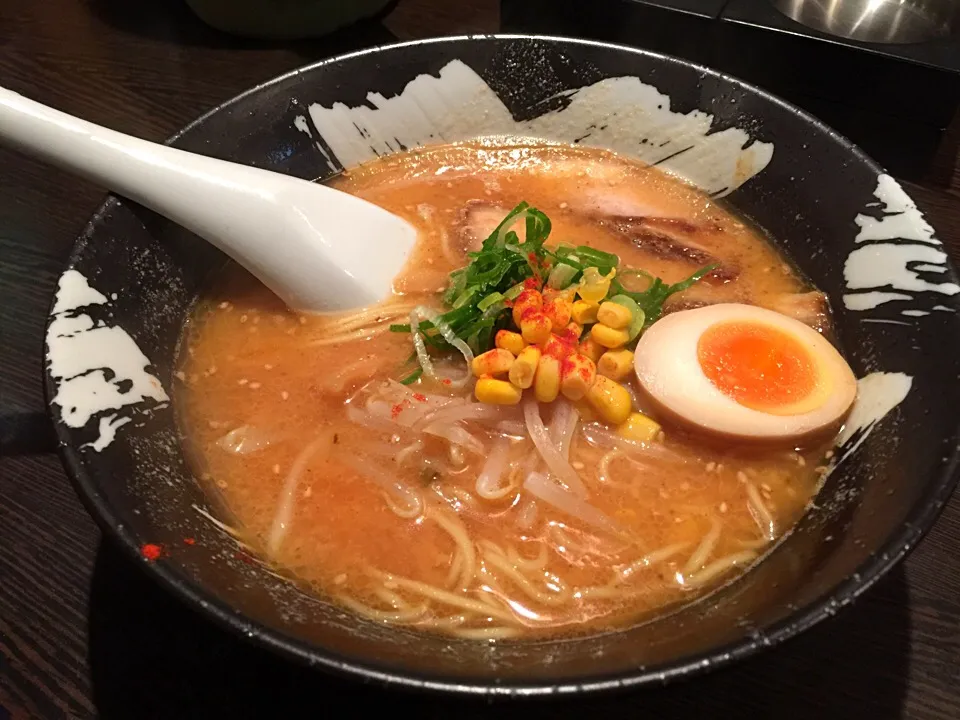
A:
<point x="585" y="374"/>
<point x="447" y="381"/>
<point x="532" y="283"/>
<point x="151" y="551"/>
<point x="189" y="541"/>
<point x="532" y="257"/>
<point x="419" y="397"/>
<point x="396" y="410"/>
<point x="532" y="313"/>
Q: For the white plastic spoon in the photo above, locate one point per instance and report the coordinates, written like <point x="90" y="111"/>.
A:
<point x="317" y="248"/>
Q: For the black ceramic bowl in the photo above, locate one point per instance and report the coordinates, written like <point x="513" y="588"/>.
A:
<point x="133" y="278"/>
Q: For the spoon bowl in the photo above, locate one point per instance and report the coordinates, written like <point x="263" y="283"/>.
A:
<point x="317" y="248"/>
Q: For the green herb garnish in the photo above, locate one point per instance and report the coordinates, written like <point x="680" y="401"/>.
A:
<point x="480" y="295"/>
<point x="651" y="300"/>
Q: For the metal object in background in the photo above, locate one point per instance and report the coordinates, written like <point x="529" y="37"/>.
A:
<point x="878" y="21"/>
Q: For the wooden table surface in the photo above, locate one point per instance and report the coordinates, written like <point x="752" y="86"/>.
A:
<point x="84" y="633"/>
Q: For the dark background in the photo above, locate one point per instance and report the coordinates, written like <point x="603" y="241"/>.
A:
<point x="83" y="632"/>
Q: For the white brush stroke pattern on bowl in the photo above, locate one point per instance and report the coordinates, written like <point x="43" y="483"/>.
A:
<point x="79" y="354"/>
<point x="893" y="250"/>
<point x="621" y="114"/>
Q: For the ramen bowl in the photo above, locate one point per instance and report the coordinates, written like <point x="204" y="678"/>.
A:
<point x="133" y="278"/>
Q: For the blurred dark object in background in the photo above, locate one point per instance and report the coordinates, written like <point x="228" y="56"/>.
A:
<point x="894" y="100"/>
<point x="284" y="19"/>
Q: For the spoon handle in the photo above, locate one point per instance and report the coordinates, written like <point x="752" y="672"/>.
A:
<point x="172" y="182"/>
<point x="314" y="246"/>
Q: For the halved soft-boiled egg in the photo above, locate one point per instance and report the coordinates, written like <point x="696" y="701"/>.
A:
<point x="746" y="372"/>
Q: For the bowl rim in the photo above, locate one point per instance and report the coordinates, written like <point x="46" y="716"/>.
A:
<point x="919" y="521"/>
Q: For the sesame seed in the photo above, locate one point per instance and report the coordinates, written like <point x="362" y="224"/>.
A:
<point x="723" y="507"/>
<point x="663" y="494"/>
<point x="678" y="520"/>
<point x="180" y="375"/>
<point x="224" y="305"/>
<point x="268" y="366"/>
<point x="766" y="487"/>
<point x="243" y="318"/>
<point x="254" y="386"/>
<point x="800" y="461"/>
<point x="222" y="484"/>
<point x="212" y="370"/>
<point x="577" y="465"/>
<point x="242" y="381"/>
<point x="276" y="469"/>
<point x="308" y="492"/>
<point x="719" y="467"/>
<point x="829" y="454"/>
<point x="342" y="578"/>
<point x="303" y="320"/>
<point x="206" y="476"/>
<point x="563" y="205"/>
<point x="284" y="395"/>
<point x="711" y="466"/>
<point x="741" y="476"/>
<point x="214" y="424"/>
<point x="292" y="331"/>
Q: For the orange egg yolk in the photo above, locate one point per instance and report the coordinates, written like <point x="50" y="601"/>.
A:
<point x="757" y="365"/>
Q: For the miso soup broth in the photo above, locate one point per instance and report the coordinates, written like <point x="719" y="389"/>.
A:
<point x="458" y="508"/>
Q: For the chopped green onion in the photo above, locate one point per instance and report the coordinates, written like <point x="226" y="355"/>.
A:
<point x="562" y="276"/>
<point x="489" y="301"/>
<point x="514" y="292"/>
<point x="651" y="300"/>
<point x="638" y="317"/>
<point x="412" y="377"/>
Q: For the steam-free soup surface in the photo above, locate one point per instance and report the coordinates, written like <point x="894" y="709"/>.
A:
<point x="280" y="412"/>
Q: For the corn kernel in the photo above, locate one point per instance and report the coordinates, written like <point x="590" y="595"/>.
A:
<point x="584" y="313"/>
<point x="534" y="326"/>
<point x="546" y="384"/>
<point x="558" y="346"/>
<point x="585" y="411"/>
<point x="592" y="349"/>
<point x="493" y="362"/>
<point x="567" y="294"/>
<point x="577" y="373"/>
<point x="497" y="392"/>
<point x="559" y="311"/>
<point x="639" y="428"/>
<point x="526" y="300"/>
<point x="509" y="340"/>
<point x="608" y="336"/>
<point x="615" y="364"/>
<point x="614" y="315"/>
<point x="610" y="399"/>
<point x="525" y="367"/>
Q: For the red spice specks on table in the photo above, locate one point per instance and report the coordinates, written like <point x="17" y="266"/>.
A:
<point x="151" y="551"/>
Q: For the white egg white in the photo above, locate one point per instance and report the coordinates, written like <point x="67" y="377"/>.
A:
<point x="668" y="368"/>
